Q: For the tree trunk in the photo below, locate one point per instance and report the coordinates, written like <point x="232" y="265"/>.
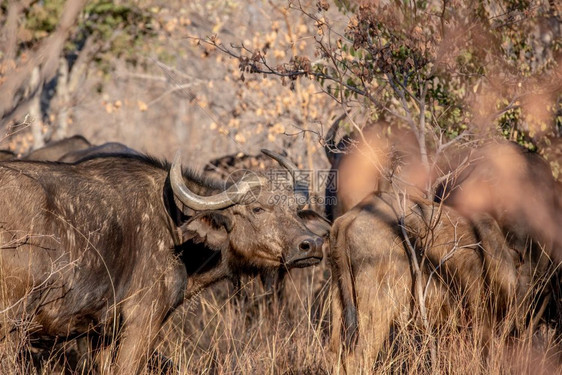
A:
<point x="45" y="59"/>
<point x="35" y="110"/>
<point x="63" y="100"/>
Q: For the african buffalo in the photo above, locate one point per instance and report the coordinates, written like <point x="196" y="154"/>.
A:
<point x="7" y="155"/>
<point x="75" y="148"/>
<point x="517" y="188"/>
<point x="222" y="167"/>
<point x="110" y="246"/>
<point x="55" y="150"/>
<point x="510" y="187"/>
<point x="103" y="149"/>
<point x="463" y="263"/>
<point x="490" y="178"/>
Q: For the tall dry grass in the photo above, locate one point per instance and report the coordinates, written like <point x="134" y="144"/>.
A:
<point x="464" y="346"/>
<point x="222" y="331"/>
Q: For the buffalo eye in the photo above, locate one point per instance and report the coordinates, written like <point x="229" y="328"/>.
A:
<point x="257" y="209"/>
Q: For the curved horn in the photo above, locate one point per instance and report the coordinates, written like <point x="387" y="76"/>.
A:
<point x="330" y="139"/>
<point x="299" y="187"/>
<point x="227" y="198"/>
<point x="284" y="161"/>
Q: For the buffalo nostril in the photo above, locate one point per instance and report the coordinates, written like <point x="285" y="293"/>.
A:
<point x="305" y="245"/>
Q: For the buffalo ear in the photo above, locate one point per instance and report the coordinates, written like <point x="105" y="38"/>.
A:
<point x="210" y="228"/>
<point x="315" y="222"/>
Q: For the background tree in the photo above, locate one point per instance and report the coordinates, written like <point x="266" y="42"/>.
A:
<point x="447" y="70"/>
<point x="45" y="56"/>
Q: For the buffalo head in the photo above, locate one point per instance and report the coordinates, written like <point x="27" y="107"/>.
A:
<point x="259" y="228"/>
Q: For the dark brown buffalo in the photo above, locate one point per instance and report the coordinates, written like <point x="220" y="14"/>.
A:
<point x="517" y="188"/>
<point x="222" y="167"/>
<point x="55" y="150"/>
<point x="112" y="245"/>
<point x="7" y="155"/>
<point x="103" y="149"/>
<point x="468" y="260"/>
<point x="75" y="148"/>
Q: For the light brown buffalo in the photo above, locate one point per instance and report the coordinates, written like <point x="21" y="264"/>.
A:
<point x="364" y="162"/>
<point x="465" y="263"/>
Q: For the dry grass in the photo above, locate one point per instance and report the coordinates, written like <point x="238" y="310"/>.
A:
<point x="250" y="333"/>
<point x="220" y="332"/>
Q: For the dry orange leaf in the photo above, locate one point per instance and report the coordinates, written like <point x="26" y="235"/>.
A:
<point x="142" y="105"/>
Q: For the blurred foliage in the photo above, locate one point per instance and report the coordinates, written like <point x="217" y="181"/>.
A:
<point x="41" y="19"/>
<point x="104" y="18"/>
<point x="509" y="125"/>
<point x="393" y="51"/>
<point x="443" y="69"/>
<point x="389" y="54"/>
<point x="120" y="29"/>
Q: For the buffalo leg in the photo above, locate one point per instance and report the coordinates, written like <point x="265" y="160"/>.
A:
<point x="140" y="328"/>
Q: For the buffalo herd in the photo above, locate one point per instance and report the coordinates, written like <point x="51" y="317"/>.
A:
<point x="485" y="237"/>
<point x="107" y="241"/>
